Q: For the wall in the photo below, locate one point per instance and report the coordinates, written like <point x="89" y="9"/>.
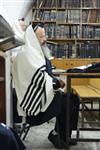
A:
<point x="10" y="10"/>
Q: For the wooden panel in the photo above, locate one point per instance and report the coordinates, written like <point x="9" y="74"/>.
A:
<point x="81" y="62"/>
<point x="2" y="91"/>
<point x="69" y="63"/>
<point x="82" y="81"/>
<point x="86" y="91"/>
<point x="76" y="63"/>
<point x="95" y="83"/>
<point x="60" y="63"/>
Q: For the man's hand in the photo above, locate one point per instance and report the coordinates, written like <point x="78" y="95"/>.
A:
<point x="62" y="83"/>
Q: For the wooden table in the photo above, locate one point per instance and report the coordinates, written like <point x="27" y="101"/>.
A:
<point x="69" y="76"/>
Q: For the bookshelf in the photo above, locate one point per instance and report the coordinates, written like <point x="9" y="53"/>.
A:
<point x="72" y="29"/>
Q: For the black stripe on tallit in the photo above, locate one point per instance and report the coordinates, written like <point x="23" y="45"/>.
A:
<point x="45" y="98"/>
<point x="38" y="107"/>
<point x="28" y="89"/>
<point x="34" y="88"/>
<point x="35" y="93"/>
<point x="38" y="98"/>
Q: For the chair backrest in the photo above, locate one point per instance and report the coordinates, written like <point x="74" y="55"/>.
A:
<point x="16" y="117"/>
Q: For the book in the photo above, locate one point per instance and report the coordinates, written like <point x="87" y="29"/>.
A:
<point x="90" y="68"/>
<point x="8" y="39"/>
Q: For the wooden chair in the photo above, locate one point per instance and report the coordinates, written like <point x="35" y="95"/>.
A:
<point x="89" y="93"/>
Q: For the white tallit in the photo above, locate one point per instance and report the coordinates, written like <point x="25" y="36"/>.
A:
<point x="33" y="85"/>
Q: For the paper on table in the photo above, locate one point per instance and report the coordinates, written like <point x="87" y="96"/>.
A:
<point x="83" y="67"/>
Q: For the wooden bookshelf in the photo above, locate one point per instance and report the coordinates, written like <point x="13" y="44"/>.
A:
<point x="72" y="28"/>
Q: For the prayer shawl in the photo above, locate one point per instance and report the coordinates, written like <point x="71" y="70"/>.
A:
<point x="33" y="85"/>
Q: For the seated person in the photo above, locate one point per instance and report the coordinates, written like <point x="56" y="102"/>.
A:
<point x="9" y="140"/>
<point x="39" y="97"/>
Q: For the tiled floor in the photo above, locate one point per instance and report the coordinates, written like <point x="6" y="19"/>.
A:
<point x="37" y="139"/>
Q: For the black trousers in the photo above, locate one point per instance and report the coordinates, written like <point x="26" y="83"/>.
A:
<point x="58" y="109"/>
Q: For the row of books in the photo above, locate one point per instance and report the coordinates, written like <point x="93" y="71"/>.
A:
<point x="77" y="3"/>
<point x="65" y="16"/>
<point x="47" y="15"/>
<point x="75" y="31"/>
<point x="88" y="50"/>
<point x="92" y="3"/>
<point x="61" y="51"/>
<point x="91" y="32"/>
<point x="46" y="3"/>
<point x="61" y="31"/>
<point x="91" y="16"/>
<point x="68" y="3"/>
<point x="69" y="16"/>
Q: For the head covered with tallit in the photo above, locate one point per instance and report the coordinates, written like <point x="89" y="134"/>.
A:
<point x="32" y="83"/>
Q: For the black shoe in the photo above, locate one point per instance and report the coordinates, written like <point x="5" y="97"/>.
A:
<point x="72" y="142"/>
<point x="55" y="141"/>
<point x="59" y="144"/>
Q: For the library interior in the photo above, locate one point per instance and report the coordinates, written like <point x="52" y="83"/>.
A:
<point x="62" y="58"/>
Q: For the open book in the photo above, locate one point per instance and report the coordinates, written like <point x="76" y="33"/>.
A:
<point x="8" y="39"/>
